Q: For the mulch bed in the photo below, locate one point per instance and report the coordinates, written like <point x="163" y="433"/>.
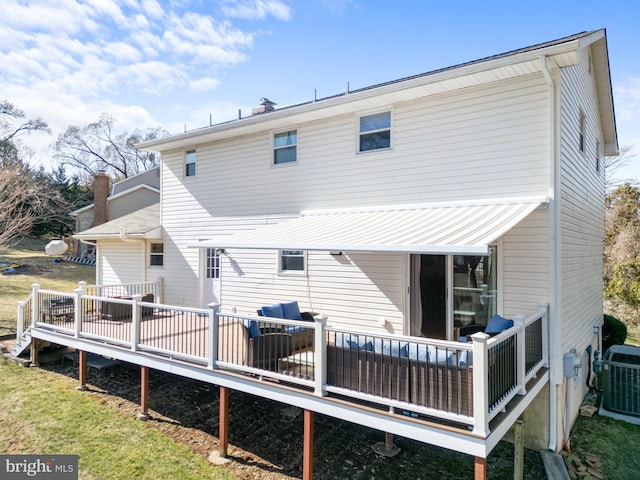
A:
<point x="265" y="438"/>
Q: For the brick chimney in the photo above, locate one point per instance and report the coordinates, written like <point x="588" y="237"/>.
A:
<point x="100" y="194"/>
<point x="265" y="106"/>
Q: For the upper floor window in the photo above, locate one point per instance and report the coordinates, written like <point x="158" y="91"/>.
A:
<point x="156" y="255"/>
<point x="189" y="163"/>
<point x="582" y="136"/>
<point x="292" y="261"/>
<point x="375" y="132"/>
<point x="285" y="147"/>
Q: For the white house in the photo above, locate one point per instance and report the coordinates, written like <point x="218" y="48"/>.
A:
<point x="412" y="208"/>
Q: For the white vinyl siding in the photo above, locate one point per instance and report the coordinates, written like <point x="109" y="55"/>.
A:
<point x="501" y="150"/>
<point x="582" y="212"/>
<point x="353" y="290"/>
<point x="120" y="262"/>
<point x="524" y="256"/>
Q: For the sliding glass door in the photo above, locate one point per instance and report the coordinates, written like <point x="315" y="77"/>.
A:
<point x="469" y="281"/>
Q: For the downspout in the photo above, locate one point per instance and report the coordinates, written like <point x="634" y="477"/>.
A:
<point x="555" y="257"/>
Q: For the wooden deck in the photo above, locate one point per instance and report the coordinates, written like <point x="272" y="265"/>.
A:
<point x="467" y="407"/>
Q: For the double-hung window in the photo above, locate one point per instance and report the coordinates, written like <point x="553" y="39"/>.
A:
<point x="285" y="147"/>
<point x="156" y="255"/>
<point x="375" y="132"/>
<point x="292" y="261"/>
<point x="190" y="163"/>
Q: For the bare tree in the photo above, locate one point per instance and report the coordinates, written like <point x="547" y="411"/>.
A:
<point x="19" y="202"/>
<point x="12" y="125"/>
<point x="611" y="166"/>
<point x="97" y="146"/>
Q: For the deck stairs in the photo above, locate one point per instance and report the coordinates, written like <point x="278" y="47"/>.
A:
<point x="22" y="343"/>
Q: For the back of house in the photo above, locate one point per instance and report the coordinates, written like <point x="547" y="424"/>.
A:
<point x="416" y="207"/>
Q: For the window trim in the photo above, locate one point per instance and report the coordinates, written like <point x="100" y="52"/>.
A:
<point x="359" y="133"/>
<point x="282" y="271"/>
<point x="153" y="254"/>
<point x="187" y="164"/>
<point x="274" y="134"/>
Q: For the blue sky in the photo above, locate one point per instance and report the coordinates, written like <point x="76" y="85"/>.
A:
<point x="173" y="63"/>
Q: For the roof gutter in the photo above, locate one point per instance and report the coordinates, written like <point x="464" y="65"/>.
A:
<point x="131" y="237"/>
<point x="555" y="254"/>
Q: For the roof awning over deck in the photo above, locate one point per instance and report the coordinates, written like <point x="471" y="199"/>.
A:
<point x="466" y="229"/>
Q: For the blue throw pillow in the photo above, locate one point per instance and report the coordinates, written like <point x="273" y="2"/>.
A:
<point x="273" y="311"/>
<point x="498" y="324"/>
<point x="441" y="355"/>
<point x="291" y="311"/>
<point x="418" y="352"/>
<point x="253" y="327"/>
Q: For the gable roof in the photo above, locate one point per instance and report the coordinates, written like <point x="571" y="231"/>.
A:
<point x="559" y="53"/>
<point x="143" y="223"/>
<point x="116" y="196"/>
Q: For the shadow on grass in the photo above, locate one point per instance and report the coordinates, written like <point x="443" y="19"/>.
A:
<point x="274" y="436"/>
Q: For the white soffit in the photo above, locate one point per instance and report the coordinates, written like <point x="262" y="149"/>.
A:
<point x="453" y="229"/>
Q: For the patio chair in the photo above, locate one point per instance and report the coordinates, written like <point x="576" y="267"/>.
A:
<point x="301" y="336"/>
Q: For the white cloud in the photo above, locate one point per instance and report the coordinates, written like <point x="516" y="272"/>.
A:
<point x="257" y="9"/>
<point x="68" y="61"/>
<point x="203" y="84"/>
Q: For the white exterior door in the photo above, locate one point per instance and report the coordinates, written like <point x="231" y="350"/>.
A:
<point x="210" y="275"/>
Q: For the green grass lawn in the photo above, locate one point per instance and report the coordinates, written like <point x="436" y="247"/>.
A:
<point x="42" y="413"/>
<point x="36" y="268"/>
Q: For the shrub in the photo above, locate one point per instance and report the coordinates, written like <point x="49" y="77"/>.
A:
<point x="614" y="332"/>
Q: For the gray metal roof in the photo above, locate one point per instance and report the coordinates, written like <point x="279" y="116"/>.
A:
<point x="143" y="223"/>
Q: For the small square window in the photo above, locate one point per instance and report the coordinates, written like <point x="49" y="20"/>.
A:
<point x="375" y="132"/>
<point x="190" y="163"/>
<point x="285" y="147"/>
<point x="156" y="255"/>
<point x="292" y="261"/>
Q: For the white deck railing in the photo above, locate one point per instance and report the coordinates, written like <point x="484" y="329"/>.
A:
<point x="469" y="383"/>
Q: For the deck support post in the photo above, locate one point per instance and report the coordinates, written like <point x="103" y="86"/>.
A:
<point x="224" y="422"/>
<point x="388" y="448"/>
<point x="35" y="347"/>
<point x="144" y="394"/>
<point x="82" y="370"/>
<point x="480" y="469"/>
<point x="518" y="450"/>
<point x="307" y="455"/>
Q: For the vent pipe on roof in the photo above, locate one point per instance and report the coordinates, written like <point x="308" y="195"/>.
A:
<point x="265" y="106"/>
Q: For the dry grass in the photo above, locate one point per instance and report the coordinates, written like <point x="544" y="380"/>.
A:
<point x="109" y="446"/>
<point x="36" y="268"/>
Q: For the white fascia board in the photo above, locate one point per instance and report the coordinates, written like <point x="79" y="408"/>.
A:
<point x="131" y="190"/>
